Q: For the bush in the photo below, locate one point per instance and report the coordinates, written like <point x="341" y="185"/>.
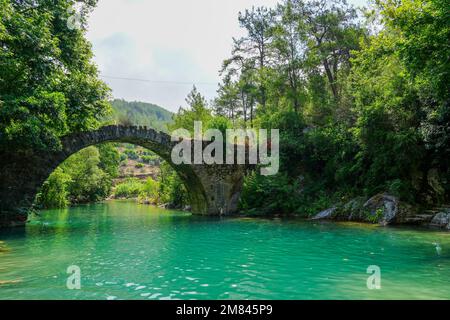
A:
<point x="171" y="188"/>
<point x="131" y="154"/>
<point x="150" y="159"/>
<point x="131" y="188"/>
<point x="123" y="157"/>
<point x="220" y="123"/>
<point x="150" y="192"/>
<point x="270" y="194"/>
<point x="54" y="193"/>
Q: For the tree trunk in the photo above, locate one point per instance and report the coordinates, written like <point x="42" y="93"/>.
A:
<point x="330" y="78"/>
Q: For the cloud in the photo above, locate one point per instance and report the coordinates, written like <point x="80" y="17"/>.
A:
<point x="165" y="41"/>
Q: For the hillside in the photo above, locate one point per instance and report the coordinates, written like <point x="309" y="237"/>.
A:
<point x="140" y="113"/>
<point x="136" y="161"/>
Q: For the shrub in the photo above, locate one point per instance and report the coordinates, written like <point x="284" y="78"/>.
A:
<point x="150" y="191"/>
<point x="131" y="188"/>
<point x="54" y="193"/>
<point x="131" y="154"/>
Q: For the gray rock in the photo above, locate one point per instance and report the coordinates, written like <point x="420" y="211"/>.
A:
<point x="352" y="210"/>
<point x="325" y="214"/>
<point x="388" y="204"/>
<point x="441" y="220"/>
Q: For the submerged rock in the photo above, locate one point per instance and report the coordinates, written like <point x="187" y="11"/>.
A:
<point x="325" y="214"/>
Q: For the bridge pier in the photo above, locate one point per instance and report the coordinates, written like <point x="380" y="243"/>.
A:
<point x="222" y="185"/>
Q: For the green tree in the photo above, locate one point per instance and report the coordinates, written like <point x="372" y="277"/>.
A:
<point x="289" y="45"/>
<point x="54" y="192"/>
<point x="423" y="33"/>
<point x="197" y="111"/>
<point x="254" y="46"/>
<point x="48" y="83"/>
<point x="228" y="103"/>
<point x="171" y="188"/>
<point x="89" y="183"/>
<point x="109" y="159"/>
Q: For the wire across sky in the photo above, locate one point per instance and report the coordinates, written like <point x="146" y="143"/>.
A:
<point x="159" y="81"/>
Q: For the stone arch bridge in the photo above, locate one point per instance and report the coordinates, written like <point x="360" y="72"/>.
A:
<point x="213" y="189"/>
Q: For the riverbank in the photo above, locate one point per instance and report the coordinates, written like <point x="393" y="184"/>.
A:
<point x="382" y="209"/>
<point x="385" y="209"/>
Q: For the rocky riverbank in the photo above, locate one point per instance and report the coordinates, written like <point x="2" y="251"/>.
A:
<point x="386" y="209"/>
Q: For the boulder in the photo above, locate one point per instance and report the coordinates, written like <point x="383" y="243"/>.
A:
<point x="325" y="214"/>
<point x="353" y="210"/>
<point x="382" y="208"/>
<point x="441" y="220"/>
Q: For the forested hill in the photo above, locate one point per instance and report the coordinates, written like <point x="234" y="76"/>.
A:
<point x="140" y="113"/>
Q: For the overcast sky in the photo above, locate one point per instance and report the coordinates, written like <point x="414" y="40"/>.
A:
<point x="173" y="43"/>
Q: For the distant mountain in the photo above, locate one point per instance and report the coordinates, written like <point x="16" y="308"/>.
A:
<point x="140" y="113"/>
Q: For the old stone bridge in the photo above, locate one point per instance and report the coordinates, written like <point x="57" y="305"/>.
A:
<point x="213" y="189"/>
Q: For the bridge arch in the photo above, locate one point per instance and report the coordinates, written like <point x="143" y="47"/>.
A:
<point x="212" y="189"/>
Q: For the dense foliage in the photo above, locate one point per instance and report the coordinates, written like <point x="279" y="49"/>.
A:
<point x="362" y="102"/>
<point x="48" y="83"/>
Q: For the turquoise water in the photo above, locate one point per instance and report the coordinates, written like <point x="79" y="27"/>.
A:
<point x="130" y="251"/>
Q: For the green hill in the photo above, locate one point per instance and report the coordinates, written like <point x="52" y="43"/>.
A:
<point x="140" y="113"/>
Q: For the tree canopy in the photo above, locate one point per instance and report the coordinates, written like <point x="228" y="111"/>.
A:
<point x="49" y="85"/>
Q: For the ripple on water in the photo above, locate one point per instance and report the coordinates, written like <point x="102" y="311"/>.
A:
<point x="136" y="252"/>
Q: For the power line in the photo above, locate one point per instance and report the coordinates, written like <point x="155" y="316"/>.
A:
<point x="159" y="81"/>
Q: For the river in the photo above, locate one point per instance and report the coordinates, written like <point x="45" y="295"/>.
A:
<point x="129" y="251"/>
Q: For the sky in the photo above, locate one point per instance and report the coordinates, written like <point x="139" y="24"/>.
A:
<point x="156" y="50"/>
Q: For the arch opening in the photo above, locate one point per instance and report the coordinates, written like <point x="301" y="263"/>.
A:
<point x="193" y="185"/>
<point x="85" y="179"/>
